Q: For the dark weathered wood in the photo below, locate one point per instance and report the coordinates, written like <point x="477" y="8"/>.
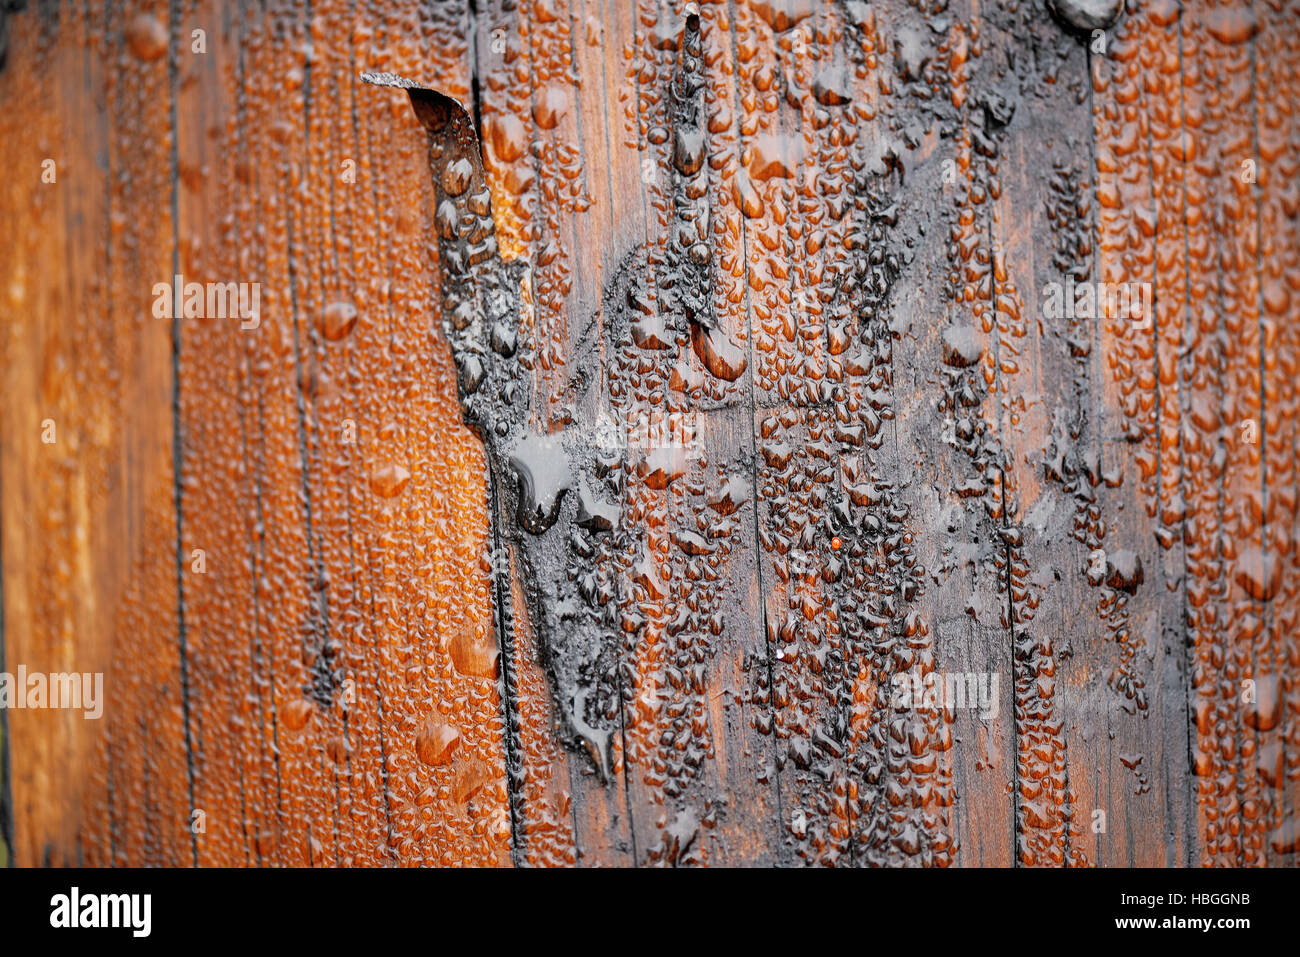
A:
<point x="812" y="240"/>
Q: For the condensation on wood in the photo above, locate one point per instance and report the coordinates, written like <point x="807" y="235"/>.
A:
<point x="278" y="543"/>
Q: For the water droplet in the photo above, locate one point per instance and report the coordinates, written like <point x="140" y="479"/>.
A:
<point x="147" y="37"/>
<point x="296" y="713"/>
<point x="457" y="176"/>
<point x="543" y="470"/>
<point x="552" y="103"/>
<point x="1086" y="14"/>
<point x="507" y="136"/>
<point x="961" y="346"/>
<point x="436" y="744"/>
<point x="388" y="481"/>
<point x="776" y="155"/>
<point x="337" y="320"/>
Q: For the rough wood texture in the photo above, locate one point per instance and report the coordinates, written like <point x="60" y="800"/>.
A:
<point x="583" y="501"/>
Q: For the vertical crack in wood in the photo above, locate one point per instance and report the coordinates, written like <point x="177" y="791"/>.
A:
<point x="178" y="455"/>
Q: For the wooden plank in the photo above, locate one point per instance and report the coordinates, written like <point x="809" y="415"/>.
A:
<point x="1228" y="572"/>
<point x="89" y="518"/>
<point x="346" y="685"/>
<point x="541" y="132"/>
<point x="1276" y="60"/>
<point x="946" y="422"/>
<point x="261" y="416"/>
<point x="1136" y="222"/>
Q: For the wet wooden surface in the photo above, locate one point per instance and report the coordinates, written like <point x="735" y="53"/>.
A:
<point x="820" y="234"/>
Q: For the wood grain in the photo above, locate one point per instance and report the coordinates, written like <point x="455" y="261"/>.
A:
<point x="822" y="235"/>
